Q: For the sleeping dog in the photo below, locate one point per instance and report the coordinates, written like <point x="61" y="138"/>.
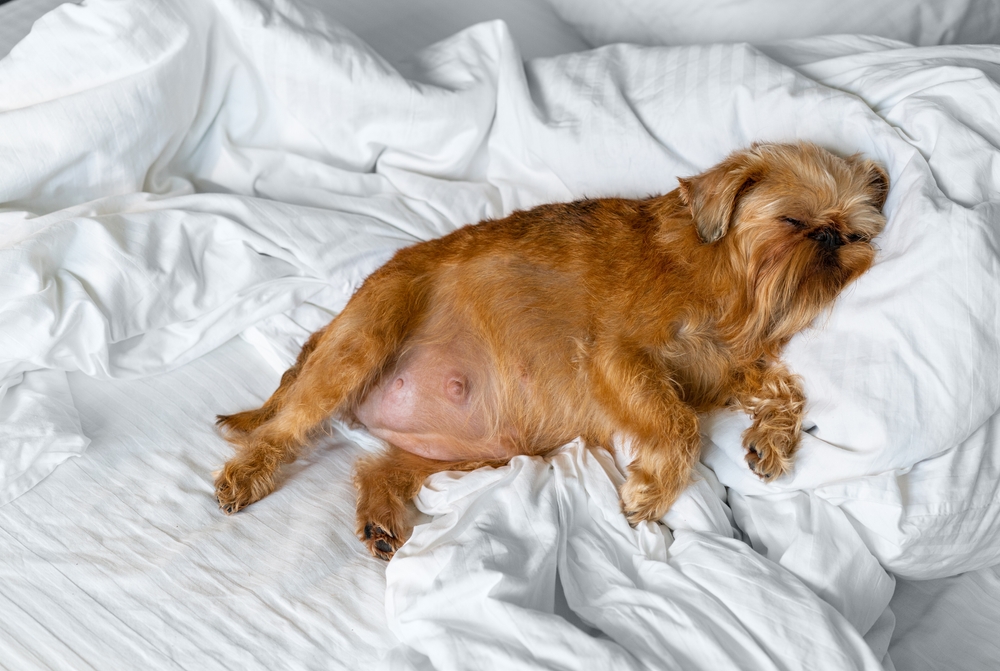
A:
<point x="594" y="318"/>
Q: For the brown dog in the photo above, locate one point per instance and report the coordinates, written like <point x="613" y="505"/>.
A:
<point x="592" y="318"/>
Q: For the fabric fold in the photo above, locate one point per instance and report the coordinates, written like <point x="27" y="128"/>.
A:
<point x="477" y="583"/>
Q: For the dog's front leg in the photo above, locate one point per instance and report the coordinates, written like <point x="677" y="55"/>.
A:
<point x="642" y="403"/>
<point x="774" y="400"/>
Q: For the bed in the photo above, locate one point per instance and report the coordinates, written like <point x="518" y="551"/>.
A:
<point x="188" y="189"/>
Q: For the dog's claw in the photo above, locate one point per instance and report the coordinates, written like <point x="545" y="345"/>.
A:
<point x="230" y="508"/>
<point x="754" y="459"/>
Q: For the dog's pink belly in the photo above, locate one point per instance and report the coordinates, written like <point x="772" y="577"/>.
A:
<point x="428" y="407"/>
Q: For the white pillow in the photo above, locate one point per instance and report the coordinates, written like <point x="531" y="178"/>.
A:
<point x="675" y="22"/>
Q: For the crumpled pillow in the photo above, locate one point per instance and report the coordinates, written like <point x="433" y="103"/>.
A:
<point x="675" y="22"/>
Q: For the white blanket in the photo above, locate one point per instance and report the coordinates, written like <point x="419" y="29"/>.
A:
<point x="475" y="588"/>
<point x="176" y="172"/>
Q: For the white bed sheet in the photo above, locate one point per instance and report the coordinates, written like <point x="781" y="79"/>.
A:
<point x="122" y="560"/>
<point x="104" y="574"/>
<point x="948" y="623"/>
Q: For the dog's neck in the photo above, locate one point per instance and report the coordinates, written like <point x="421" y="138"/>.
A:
<point x="750" y="319"/>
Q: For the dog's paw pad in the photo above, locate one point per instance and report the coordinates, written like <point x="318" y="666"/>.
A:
<point x="381" y="543"/>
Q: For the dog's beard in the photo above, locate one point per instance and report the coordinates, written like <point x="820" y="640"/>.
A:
<point x="792" y="279"/>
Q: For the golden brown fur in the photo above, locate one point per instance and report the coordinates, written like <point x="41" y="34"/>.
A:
<point x="592" y="318"/>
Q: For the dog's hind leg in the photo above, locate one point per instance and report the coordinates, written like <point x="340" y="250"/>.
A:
<point x="346" y="359"/>
<point x="386" y="483"/>
<point x="641" y="402"/>
<point x="248" y="420"/>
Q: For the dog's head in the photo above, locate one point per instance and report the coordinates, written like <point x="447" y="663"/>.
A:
<point x="793" y="221"/>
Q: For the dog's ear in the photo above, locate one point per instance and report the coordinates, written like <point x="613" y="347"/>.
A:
<point x="712" y="195"/>
<point x="877" y="179"/>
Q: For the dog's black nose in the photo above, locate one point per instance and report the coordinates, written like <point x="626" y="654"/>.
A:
<point x="827" y="237"/>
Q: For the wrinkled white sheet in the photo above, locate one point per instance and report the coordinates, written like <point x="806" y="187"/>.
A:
<point x="176" y="172"/>
<point x="475" y="587"/>
<point x="947" y="623"/>
<point x="122" y="560"/>
<point x="16" y="18"/>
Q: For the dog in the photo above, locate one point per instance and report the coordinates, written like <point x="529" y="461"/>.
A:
<point x="597" y="318"/>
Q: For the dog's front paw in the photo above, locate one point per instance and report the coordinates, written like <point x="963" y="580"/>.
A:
<point x="239" y="484"/>
<point x="644" y="499"/>
<point x="769" y="456"/>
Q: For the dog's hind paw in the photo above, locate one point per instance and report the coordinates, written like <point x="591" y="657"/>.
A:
<point x="380" y="542"/>
<point x="237" y="486"/>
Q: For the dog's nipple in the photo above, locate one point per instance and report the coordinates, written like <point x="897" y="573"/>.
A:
<point x="398" y="384"/>
<point x="456" y="387"/>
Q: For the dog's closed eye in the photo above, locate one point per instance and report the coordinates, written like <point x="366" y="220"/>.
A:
<point x="796" y="223"/>
<point x="857" y="237"/>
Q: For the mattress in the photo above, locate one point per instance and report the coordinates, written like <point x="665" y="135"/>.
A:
<point x="120" y="557"/>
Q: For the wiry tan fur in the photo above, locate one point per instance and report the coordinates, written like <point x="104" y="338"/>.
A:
<point x="591" y="318"/>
